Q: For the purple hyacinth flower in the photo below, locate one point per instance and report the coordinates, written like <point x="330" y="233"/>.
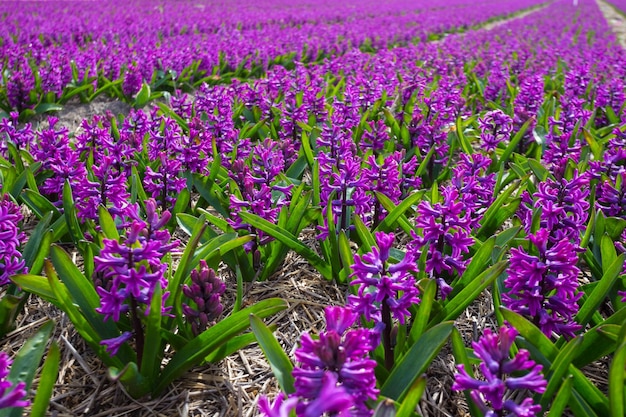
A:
<point x="114" y="344"/>
<point x="545" y="287"/>
<point x="11" y="395"/>
<point x="489" y="394"/>
<point x="381" y="281"/>
<point x="11" y="262"/>
<point x="281" y="407"/>
<point x="205" y="291"/>
<point x="340" y="351"/>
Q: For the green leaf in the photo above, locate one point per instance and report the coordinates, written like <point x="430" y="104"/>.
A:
<point x="199" y="347"/>
<point x="479" y="262"/>
<point x="130" y="377"/>
<point x="290" y="240"/>
<point x="416" y="361"/>
<point x="396" y="214"/>
<point x="27" y="361"/>
<point x="616" y="377"/>
<point x="457" y="302"/>
<point x="69" y="211"/>
<point x="559" y="369"/>
<point x="143" y="97"/>
<point x="598" y="342"/>
<point x="39" y="204"/>
<point x="413" y="396"/>
<point x="35" y="284"/>
<point x="600" y="291"/>
<point x="152" y="349"/>
<point x="465" y="144"/>
<point x="10" y="306"/>
<point x="107" y="225"/>
<point x="423" y="310"/>
<point x="607" y="249"/>
<point x="513" y="144"/>
<point x="42" y="108"/>
<point x="496" y="215"/>
<point x="562" y="398"/>
<point x="38" y="245"/>
<point x="279" y="362"/>
<point x="47" y="379"/>
<point x="231" y="346"/>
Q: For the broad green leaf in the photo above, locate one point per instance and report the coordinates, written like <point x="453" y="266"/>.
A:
<point x="198" y="348"/>
<point x="38" y="245"/>
<point x="512" y="146"/>
<point x="413" y="396"/>
<point x="10" y="306"/>
<point x="416" y="361"/>
<point x="600" y="291"/>
<point x="107" y="225"/>
<point x="132" y="380"/>
<point x="607" y="249"/>
<point x="616" y="377"/>
<point x="47" y="379"/>
<point x="559" y="369"/>
<point x="152" y="348"/>
<point x="35" y="284"/>
<point x="457" y="302"/>
<point x="290" y="240"/>
<point x="562" y="398"/>
<point x="429" y="291"/>
<point x="143" y="96"/>
<point x="231" y="346"/>
<point x="69" y="211"/>
<point x="39" y="204"/>
<point x="396" y="214"/>
<point x="27" y="361"/>
<point x="479" y="262"/>
<point x="279" y="362"/>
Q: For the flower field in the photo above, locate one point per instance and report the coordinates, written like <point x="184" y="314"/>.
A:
<point x="391" y="208"/>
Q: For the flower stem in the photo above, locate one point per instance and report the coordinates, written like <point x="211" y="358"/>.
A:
<point x="138" y="330"/>
<point x="386" y="317"/>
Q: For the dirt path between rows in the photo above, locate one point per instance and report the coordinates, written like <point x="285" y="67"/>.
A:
<point x="615" y="19"/>
<point x="525" y="13"/>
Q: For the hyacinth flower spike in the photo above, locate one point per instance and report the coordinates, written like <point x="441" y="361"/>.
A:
<point x="492" y="394"/>
<point x="11" y="395"/>
<point x="385" y="290"/>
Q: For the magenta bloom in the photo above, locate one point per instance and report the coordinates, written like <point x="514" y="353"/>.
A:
<point x="205" y="291"/>
<point x="11" y="262"/>
<point x="544" y="286"/>
<point x="11" y="394"/>
<point x="489" y="394"/>
<point x="381" y="281"/>
<point x="336" y="366"/>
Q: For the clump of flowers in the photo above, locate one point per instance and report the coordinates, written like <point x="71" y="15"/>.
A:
<point x="335" y="375"/>
<point x="205" y="291"/>
<point x="496" y="126"/>
<point x="544" y="286"/>
<point x="11" y="262"/>
<point x="130" y="270"/>
<point x="11" y="395"/>
<point x="490" y="394"/>
<point x="445" y="235"/>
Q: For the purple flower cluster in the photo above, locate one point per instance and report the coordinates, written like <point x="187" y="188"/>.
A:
<point x="335" y="374"/>
<point x="490" y="395"/>
<point x="564" y="207"/>
<point x="11" y="238"/>
<point x="205" y="291"/>
<point x="544" y="287"/>
<point x="445" y="233"/>
<point x="382" y="283"/>
<point x="474" y="185"/>
<point x="11" y="395"/>
<point x="496" y="126"/>
<point x="10" y="132"/>
<point x="129" y="271"/>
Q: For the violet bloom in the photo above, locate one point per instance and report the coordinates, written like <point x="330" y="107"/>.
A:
<point x="490" y="394"/>
<point x="205" y="291"/>
<point x="22" y="138"/>
<point x="384" y="177"/>
<point x="343" y="353"/>
<point x="383" y="283"/>
<point x="474" y="185"/>
<point x="496" y="126"/>
<point x="11" y="262"/>
<point x="611" y="198"/>
<point x="129" y="271"/>
<point x="445" y="231"/>
<point x="544" y="287"/>
<point x="564" y="207"/>
<point x="11" y="394"/>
